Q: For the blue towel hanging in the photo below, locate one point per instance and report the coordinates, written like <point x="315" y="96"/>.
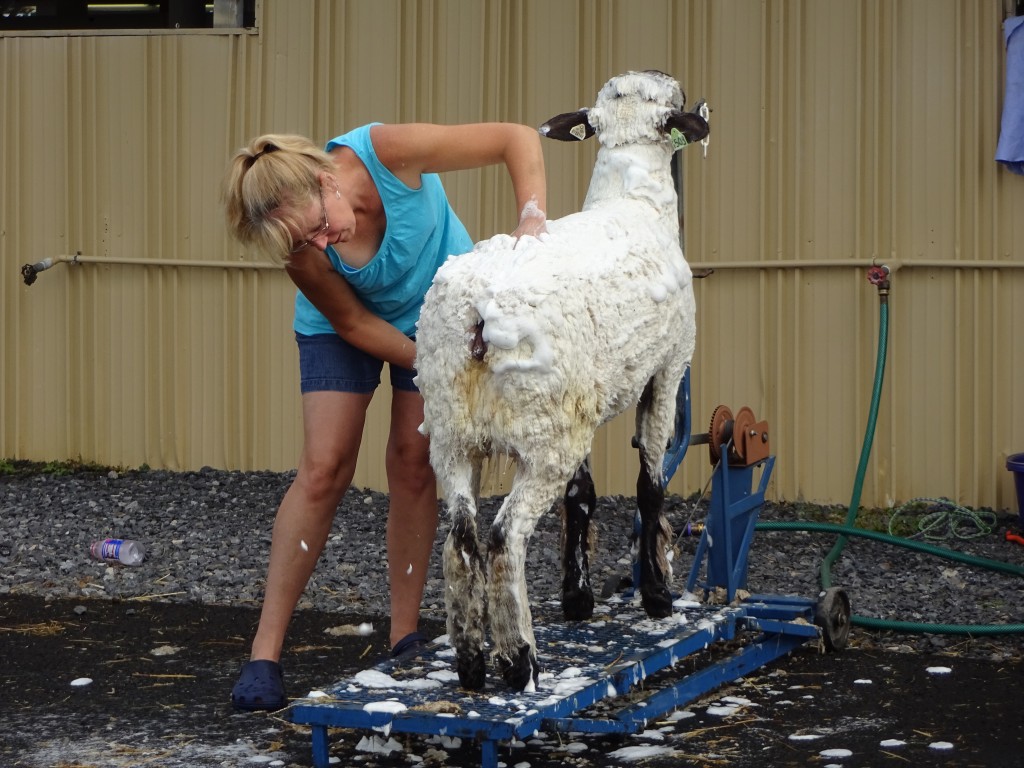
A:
<point x="1010" y="150"/>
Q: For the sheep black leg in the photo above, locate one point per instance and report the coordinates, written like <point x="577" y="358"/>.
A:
<point x="654" y="537"/>
<point x="580" y="500"/>
<point x="465" y="594"/>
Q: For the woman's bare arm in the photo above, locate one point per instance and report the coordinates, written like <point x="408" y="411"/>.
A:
<point x="411" y="149"/>
<point x="330" y="293"/>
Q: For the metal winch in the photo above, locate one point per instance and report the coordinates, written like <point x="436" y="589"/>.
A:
<point x="742" y="438"/>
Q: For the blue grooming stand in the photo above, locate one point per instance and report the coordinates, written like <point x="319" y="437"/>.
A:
<point x="584" y="662"/>
<point x="729" y="528"/>
<point x="681" y="439"/>
<point x="598" y="661"/>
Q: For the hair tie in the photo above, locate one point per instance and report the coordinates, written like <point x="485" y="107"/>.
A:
<point x="265" y="151"/>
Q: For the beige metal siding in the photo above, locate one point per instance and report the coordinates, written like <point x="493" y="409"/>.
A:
<point x="842" y="132"/>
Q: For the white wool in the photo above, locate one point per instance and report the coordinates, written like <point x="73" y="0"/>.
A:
<point x="526" y="347"/>
<point x="605" y="296"/>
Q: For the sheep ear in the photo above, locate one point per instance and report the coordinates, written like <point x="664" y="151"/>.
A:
<point x="568" y="126"/>
<point x="691" y="125"/>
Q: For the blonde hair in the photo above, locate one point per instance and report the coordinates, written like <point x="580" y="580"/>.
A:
<point x="266" y="183"/>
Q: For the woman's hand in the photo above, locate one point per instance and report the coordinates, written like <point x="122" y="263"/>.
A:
<point x="532" y="221"/>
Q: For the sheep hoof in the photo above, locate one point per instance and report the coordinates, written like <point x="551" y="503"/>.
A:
<point x="518" y="673"/>
<point x="472" y="670"/>
<point x="577" y="604"/>
<point x="657" y="601"/>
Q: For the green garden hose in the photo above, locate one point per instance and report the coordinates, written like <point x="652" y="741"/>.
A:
<point x="947" y="520"/>
<point x="848" y="529"/>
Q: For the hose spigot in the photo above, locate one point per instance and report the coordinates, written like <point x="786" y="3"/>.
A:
<point x="878" y="276"/>
<point x="29" y="273"/>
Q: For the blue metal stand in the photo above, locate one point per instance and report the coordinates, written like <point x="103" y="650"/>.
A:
<point x="728" y="532"/>
<point x="681" y="439"/>
<point x="589" y="662"/>
<point x="584" y="663"/>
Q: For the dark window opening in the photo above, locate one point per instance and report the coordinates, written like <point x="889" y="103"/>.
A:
<point x="120" y="14"/>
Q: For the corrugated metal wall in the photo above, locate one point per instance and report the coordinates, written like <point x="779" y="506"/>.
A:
<point x="842" y="132"/>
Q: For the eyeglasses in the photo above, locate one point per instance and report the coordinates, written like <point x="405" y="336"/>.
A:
<point x="322" y="230"/>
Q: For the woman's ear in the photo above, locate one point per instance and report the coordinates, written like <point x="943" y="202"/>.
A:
<point x="329" y="182"/>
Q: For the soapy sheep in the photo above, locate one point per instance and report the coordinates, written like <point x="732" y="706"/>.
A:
<point x="525" y="348"/>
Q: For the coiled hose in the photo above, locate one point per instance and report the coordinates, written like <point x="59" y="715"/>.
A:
<point x="880" y="277"/>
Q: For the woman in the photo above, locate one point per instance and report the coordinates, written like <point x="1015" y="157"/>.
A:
<point x="362" y="227"/>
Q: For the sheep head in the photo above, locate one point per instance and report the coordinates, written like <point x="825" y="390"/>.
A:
<point x="634" y="108"/>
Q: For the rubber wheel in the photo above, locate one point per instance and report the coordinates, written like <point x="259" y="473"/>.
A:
<point x="832" y="614"/>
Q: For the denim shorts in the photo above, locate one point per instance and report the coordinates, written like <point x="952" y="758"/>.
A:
<point x="328" y="363"/>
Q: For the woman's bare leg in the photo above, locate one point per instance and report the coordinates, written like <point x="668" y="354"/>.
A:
<point x="412" y="518"/>
<point x="332" y="430"/>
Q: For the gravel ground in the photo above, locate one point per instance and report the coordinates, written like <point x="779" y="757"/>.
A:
<point x="163" y="641"/>
<point x="207" y="536"/>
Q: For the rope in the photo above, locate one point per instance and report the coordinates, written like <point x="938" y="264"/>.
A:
<point x="948" y="521"/>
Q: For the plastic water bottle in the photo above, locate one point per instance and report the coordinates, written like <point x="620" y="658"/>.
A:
<point x="121" y="551"/>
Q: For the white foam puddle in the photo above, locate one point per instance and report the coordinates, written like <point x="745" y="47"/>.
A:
<point x="940" y="745"/>
<point x="938" y="670"/>
<point x="680" y="714"/>
<point x="633" y="754"/>
<point x="840" y="753"/>
<point x="651" y="735"/>
<point x="738" y="701"/>
<point x="569" y="687"/>
<point x="390" y="706"/>
<point x="724" y="711"/>
<point x="688" y="600"/>
<point x="892" y="743"/>
<point x="454" y="742"/>
<point x="378" y="745"/>
<point x="80" y="682"/>
<point x="372" y="678"/>
<point x="443" y="675"/>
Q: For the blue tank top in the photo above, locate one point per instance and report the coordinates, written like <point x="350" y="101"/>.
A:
<point x="422" y="232"/>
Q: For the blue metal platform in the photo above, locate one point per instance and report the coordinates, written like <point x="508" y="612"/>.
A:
<point x="583" y="662"/>
<point x="598" y="662"/>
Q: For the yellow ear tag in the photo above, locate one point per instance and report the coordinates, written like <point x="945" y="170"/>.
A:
<point x="579" y="131"/>
<point x="678" y="140"/>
